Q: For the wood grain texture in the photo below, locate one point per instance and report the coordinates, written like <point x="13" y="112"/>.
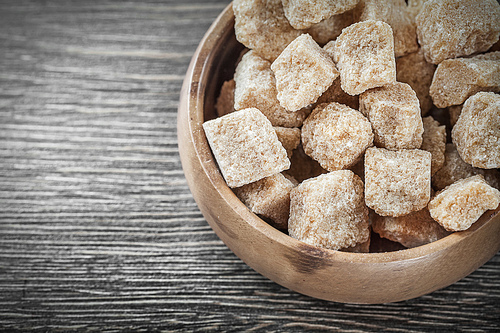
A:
<point x="98" y="229"/>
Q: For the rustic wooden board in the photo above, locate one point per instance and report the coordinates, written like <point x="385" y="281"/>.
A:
<point x="98" y="229"/>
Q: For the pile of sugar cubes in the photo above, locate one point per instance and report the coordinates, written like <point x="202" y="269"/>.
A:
<point x="349" y="118"/>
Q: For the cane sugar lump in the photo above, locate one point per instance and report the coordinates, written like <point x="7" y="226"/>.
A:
<point x="397" y="182"/>
<point x="303" y="13"/>
<point x="454" y="169"/>
<point x="225" y="101"/>
<point x="261" y="25"/>
<point x="329" y="211"/>
<point x="418" y="73"/>
<point x="335" y="94"/>
<point x="329" y="29"/>
<point x="255" y="86"/>
<point x="477" y="131"/>
<point x="412" y="230"/>
<point x="434" y="141"/>
<point x="303" y="72"/>
<point x="455" y="80"/>
<point x="462" y="203"/>
<point x="289" y="138"/>
<point x="394" y="112"/>
<point x="394" y="13"/>
<point x="449" y="29"/>
<point x="364" y="54"/>
<point x="336" y="136"/>
<point x="245" y="146"/>
<point x="268" y="197"/>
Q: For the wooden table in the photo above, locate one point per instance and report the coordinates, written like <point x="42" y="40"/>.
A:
<point x="98" y="229"/>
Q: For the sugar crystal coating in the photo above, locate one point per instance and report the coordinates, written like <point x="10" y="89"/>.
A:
<point x="289" y="138"/>
<point x="452" y="28"/>
<point x="261" y="25"/>
<point x="303" y="72"/>
<point x="256" y="87"/>
<point x="477" y="131"/>
<point x="418" y="73"/>
<point x="329" y="211"/>
<point x="454" y="169"/>
<point x="394" y="13"/>
<point x="394" y="112"/>
<point x="269" y="197"/>
<point x="434" y="141"/>
<point x="412" y="230"/>
<point x="364" y="54"/>
<point x="303" y="13"/>
<point x="225" y="101"/>
<point x="336" y="136"/>
<point x="455" y="80"/>
<point x="397" y="182"/>
<point x="245" y="146"/>
<point x="462" y="203"/>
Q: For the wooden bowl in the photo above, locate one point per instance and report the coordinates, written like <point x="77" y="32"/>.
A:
<point x="325" y="274"/>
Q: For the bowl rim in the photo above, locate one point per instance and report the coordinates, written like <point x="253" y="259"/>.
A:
<point x="209" y="165"/>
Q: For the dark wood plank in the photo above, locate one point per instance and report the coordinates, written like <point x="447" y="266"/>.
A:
<point x="98" y="229"/>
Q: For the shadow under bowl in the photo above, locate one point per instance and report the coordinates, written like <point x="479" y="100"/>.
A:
<point x="320" y="273"/>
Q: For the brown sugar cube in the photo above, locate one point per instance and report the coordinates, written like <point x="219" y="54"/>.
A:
<point x="394" y="112"/>
<point x="449" y="29"/>
<point x="434" y="141"/>
<point x="412" y="230"/>
<point x="256" y="87"/>
<point x="289" y="138"/>
<point x="455" y="80"/>
<point x="303" y="13"/>
<point x="329" y="211"/>
<point x="269" y="197"/>
<point x="225" y="102"/>
<point x="454" y="112"/>
<point x="418" y="73"/>
<point x="454" y="169"/>
<point x="330" y="28"/>
<point x="462" y="203"/>
<point x="394" y="13"/>
<point x="335" y="94"/>
<point x="245" y="146"/>
<point x="303" y="72"/>
<point x="364" y="54"/>
<point x="477" y="131"/>
<point x="397" y="182"/>
<point x="303" y="167"/>
<point x="336" y="136"/>
<point x="262" y="26"/>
